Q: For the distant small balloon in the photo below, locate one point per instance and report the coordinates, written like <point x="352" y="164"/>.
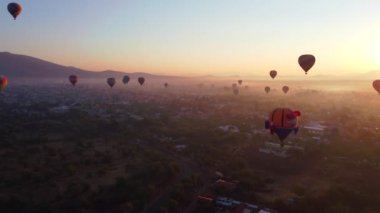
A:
<point x="3" y="82"/>
<point x="306" y="62"/>
<point x="126" y="79"/>
<point x="14" y="9"/>
<point x="166" y="85"/>
<point x="285" y="89"/>
<point x="240" y="82"/>
<point x="273" y="73"/>
<point x="73" y="79"/>
<point x="141" y="80"/>
<point x="234" y="85"/>
<point x="111" y="82"/>
<point x="267" y="89"/>
<point x="376" y="85"/>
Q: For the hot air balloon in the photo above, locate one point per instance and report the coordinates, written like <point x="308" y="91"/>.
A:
<point x="3" y="82"/>
<point x="111" y="82"/>
<point x="376" y="85"/>
<point x="141" y="80"/>
<point x="246" y="87"/>
<point x="267" y="89"/>
<point x="14" y="9"/>
<point x="126" y="79"/>
<point x="273" y="73"/>
<point x="236" y="91"/>
<point x="282" y="121"/>
<point x="73" y="79"/>
<point x="234" y="85"/>
<point x="166" y="85"/>
<point x="240" y="82"/>
<point x="285" y="89"/>
<point x="306" y="62"/>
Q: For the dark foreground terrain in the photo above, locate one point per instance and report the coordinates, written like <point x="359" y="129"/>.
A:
<point x="187" y="148"/>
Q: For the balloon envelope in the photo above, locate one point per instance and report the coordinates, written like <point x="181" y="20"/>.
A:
<point x="240" y="82"/>
<point x="273" y="73"/>
<point x="166" y="85"/>
<point x="282" y="121"/>
<point x="126" y="79"/>
<point x="376" y="85"/>
<point x="14" y="9"/>
<point x="267" y="89"/>
<point x="111" y="82"/>
<point x="73" y="79"/>
<point x="3" y="82"/>
<point x="285" y="89"/>
<point x="141" y="80"/>
<point x="306" y="62"/>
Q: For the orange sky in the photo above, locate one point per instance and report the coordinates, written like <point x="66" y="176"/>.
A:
<point x="199" y="38"/>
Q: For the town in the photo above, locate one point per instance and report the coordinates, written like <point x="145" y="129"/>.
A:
<point x="191" y="147"/>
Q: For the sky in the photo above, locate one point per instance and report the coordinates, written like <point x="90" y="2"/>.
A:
<point x="198" y="37"/>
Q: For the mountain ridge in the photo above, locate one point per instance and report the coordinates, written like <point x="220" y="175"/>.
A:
<point x="23" y="66"/>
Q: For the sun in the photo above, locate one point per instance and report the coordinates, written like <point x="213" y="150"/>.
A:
<point x="365" y="50"/>
<point x="375" y="53"/>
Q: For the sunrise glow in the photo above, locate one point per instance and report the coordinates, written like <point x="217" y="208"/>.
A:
<point x="202" y="37"/>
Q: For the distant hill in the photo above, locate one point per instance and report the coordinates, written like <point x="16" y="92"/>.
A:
<point x="372" y="75"/>
<point x="367" y="76"/>
<point x="22" y="66"/>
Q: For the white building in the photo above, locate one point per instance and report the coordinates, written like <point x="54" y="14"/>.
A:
<point x="315" y="127"/>
<point x="229" y="128"/>
<point x="317" y="130"/>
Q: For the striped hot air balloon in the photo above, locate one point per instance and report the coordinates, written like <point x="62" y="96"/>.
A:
<point x="282" y="121"/>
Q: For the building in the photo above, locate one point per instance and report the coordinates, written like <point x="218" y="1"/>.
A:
<point x="230" y="205"/>
<point x="204" y="199"/>
<point x="222" y="184"/>
<point x="229" y="128"/>
<point x="315" y="128"/>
